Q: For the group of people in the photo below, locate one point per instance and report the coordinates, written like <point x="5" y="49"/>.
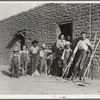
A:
<point x="41" y="58"/>
<point x="66" y="52"/>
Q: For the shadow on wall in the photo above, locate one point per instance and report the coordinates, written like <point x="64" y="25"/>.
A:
<point x="12" y="42"/>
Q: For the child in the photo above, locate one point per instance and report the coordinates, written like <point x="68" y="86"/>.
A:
<point x="34" y="52"/>
<point x="43" y="60"/>
<point x="24" y="59"/>
<point x="66" y="54"/>
<point x="50" y="59"/>
<point x="15" y="62"/>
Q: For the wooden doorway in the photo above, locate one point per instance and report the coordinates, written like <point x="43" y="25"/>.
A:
<point x="66" y="29"/>
<point x="21" y="36"/>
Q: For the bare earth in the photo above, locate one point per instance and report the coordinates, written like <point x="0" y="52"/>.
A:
<point x="44" y="85"/>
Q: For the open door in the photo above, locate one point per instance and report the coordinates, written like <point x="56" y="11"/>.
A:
<point x="21" y="36"/>
<point x="58" y="31"/>
<point x="66" y="29"/>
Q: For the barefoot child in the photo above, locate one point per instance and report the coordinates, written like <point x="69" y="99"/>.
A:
<point x="24" y="59"/>
<point x="43" y="59"/>
<point x="15" y="62"/>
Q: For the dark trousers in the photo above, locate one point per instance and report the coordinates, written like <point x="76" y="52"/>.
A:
<point x="15" y="67"/>
<point x="80" y="65"/>
<point x="34" y="62"/>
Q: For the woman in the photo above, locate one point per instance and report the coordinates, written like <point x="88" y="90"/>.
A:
<point x="60" y="47"/>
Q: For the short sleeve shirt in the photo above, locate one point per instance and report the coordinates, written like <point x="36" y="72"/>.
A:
<point x="34" y="50"/>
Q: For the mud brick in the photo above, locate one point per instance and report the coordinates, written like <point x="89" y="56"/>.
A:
<point x="40" y="23"/>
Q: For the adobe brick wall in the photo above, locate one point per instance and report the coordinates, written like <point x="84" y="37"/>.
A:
<point x="95" y="8"/>
<point x="40" y="24"/>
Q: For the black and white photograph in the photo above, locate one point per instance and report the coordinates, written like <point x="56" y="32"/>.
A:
<point x="50" y="48"/>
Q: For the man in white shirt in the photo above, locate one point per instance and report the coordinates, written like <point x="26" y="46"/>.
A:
<point x="83" y="47"/>
<point x="34" y="51"/>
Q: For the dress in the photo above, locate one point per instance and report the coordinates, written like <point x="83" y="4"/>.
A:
<point x="60" y="47"/>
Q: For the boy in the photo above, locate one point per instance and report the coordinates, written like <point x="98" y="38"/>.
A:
<point x="24" y="59"/>
<point x="15" y="62"/>
<point x="66" y="55"/>
<point x="43" y="59"/>
<point x="34" y="51"/>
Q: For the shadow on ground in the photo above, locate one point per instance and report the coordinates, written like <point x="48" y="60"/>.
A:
<point x="6" y="73"/>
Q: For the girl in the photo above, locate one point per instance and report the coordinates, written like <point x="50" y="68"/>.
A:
<point x="24" y="59"/>
<point x="66" y="55"/>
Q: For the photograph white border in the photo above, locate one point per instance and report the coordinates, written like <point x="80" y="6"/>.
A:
<point x="50" y="96"/>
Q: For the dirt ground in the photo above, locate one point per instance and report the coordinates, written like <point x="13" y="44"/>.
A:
<point x="44" y="85"/>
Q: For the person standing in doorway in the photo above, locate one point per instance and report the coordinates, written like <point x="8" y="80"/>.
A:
<point x="60" y="47"/>
<point x="34" y="52"/>
<point x="83" y="47"/>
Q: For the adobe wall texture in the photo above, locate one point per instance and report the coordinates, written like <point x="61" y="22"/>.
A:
<point x="40" y="23"/>
<point x="95" y="14"/>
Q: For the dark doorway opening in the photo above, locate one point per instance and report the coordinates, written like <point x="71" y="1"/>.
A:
<point x="66" y="29"/>
<point x="21" y="36"/>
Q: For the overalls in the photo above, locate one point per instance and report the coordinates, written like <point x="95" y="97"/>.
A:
<point x="24" y="62"/>
<point x="15" y="66"/>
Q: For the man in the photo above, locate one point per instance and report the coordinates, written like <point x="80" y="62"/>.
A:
<point x="15" y="62"/>
<point x="82" y="47"/>
<point x="34" y="51"/>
